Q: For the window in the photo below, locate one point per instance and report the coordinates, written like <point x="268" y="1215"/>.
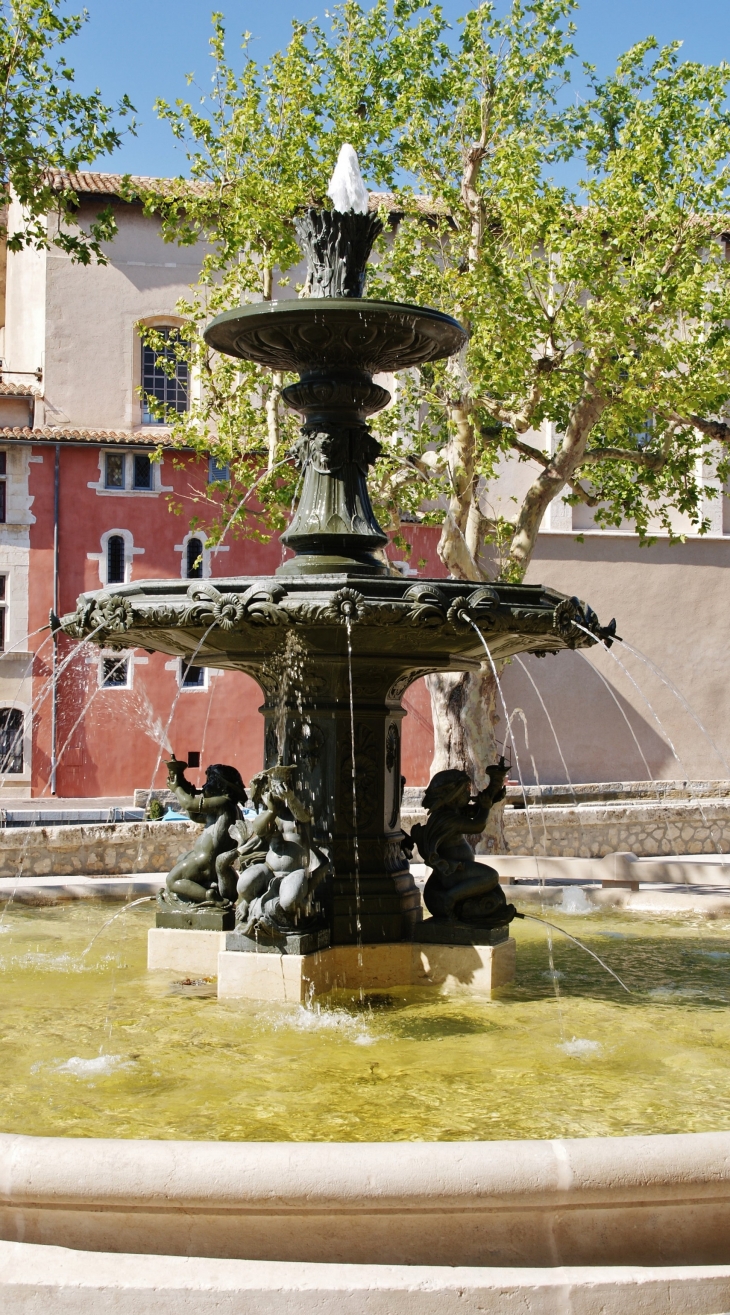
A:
<point x="114" y="470"/>
<point x="120" y="467"/>
<point x="215" y="471"/>
<point x="3" y="609"/>
<point x="11" y="740"/>
<point x="194" y="758"/>
<point x="115" y="673"/>
<point x="115" y="560"/>
<point x="142" y="471"/>
<point x="191" y="677"/>
<point x="169" y="389"/>
<point x="194" y="559"/>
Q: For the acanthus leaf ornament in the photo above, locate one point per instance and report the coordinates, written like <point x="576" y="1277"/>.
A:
<point x="111" y="613"/>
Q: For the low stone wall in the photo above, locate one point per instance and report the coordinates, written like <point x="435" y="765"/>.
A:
<point x="647" y="829"/>
<point x="106" y="849"/>
<point x="650" y="829"/>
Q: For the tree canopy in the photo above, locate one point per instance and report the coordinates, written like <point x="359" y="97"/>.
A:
<point x="598" y="307"/>
<point x="47" y="127"/>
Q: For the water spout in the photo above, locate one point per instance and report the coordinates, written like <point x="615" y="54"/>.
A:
<point x="144" y="899"/>
<point x="346" y="189"/>
<point x="532" y="917"/>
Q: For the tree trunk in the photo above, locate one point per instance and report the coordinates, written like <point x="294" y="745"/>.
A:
<point x="465" y="718"/>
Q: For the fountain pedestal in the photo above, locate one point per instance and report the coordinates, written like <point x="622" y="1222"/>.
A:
<point x="297" y="979"/>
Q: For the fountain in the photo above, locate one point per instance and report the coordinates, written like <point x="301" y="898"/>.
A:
<point x="364" y="632"/>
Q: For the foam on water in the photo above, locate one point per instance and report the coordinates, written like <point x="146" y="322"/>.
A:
<point x="580" y="1047"/>
<point x="575" y="901"/>
<point x="98" y="1067"/>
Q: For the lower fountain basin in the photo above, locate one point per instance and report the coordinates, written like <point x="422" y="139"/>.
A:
<point x="360" y="1153"/>
<point x="115" y="1051"/>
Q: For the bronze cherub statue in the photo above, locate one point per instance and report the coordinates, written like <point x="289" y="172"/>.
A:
<point x="281" y="867"/>
<point x="204" y="876"/>
<point x="459" y="889"/>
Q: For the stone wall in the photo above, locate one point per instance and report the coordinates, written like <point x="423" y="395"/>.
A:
<point x="650" y="828"/>
<point x="647" y="828"/>
<point x="106" y="849"/>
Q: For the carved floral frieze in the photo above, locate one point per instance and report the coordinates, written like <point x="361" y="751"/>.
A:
<point x="109" y="617"/>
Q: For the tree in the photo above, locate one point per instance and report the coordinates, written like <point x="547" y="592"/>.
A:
<point x="47" y="129"/>
<point x="599" y="308"/>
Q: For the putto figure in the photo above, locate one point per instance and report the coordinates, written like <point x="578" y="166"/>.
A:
<point x="459" y="889"/>
<point x="204" y="875"/>
<point x="281" y="866"/>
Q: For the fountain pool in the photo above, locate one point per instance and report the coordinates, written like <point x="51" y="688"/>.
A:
<point x="94" y="1046"/>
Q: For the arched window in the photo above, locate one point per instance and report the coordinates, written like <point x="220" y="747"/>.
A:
<point x="11" y="740"/>
<point x="194" y="560"/>
<point x="164" y="376"/>
<point x="115" y="560"/>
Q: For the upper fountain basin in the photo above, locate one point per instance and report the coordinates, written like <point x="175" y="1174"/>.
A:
<point x="410" y="624"/>
<point x="315" y="334"/>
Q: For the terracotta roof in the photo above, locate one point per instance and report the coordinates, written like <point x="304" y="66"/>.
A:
<point x="69" y="434"/>
<point x="86" y="183"/>
<point x="114" y="184"/>
<point x="18" y="390"/>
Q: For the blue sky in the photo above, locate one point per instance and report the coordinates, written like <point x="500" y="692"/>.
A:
<point x="146" y="47"/>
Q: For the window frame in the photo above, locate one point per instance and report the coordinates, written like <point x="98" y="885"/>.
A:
<point x="136" y="486"/>
<point x="213" y="465"/>
<point x="199" y="558"/>
<point x="114" y="539"/>
<point x="115" y="659"/>
<point x="4" y="578"/>
<point x="21" y="734"/>
<point x="182" y="666"/>
<point x="127" y="459"/>
<point x="169" y="383"/>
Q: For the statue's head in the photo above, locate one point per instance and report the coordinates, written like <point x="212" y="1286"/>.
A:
<point x="221" y="779"/>
<point x="449" y="789"/>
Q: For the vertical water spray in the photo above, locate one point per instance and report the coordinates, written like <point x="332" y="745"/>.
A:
<point x="347" y="609"/>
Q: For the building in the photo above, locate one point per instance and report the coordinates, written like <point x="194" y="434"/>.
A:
<point x="82" y="505"/>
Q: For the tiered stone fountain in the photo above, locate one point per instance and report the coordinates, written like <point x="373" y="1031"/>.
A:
<point x="362" y="632"/>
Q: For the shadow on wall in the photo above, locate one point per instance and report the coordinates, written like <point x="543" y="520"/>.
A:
<point x="601" y="735"/>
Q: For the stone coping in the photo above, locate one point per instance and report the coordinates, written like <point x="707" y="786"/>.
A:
<point x="54" y="1279"/>
<point x="647" y="1200"/>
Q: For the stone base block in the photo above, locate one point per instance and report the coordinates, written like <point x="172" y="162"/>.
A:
<point x="297" y="942"/>
<point x="296" y="979"/>
<point x="208" y="919"/>
<point x="432" y="931"/>
<point x="194" y="953"/>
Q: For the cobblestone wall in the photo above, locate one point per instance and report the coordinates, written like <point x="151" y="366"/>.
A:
<point x="106" y="849"/>
<point x="648" y="829"/>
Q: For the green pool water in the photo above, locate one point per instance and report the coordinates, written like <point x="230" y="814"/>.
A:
<point x="94" y="1046"/>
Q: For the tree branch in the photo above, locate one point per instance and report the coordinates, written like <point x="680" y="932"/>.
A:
<point x="717" y="429"/>
<point x="650" y="460"/>
<point x="534" y="454"/>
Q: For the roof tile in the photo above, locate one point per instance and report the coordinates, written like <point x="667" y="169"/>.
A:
<point x="71" y="434"/>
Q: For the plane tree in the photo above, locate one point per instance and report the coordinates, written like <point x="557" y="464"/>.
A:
<point x="580" y="239"/>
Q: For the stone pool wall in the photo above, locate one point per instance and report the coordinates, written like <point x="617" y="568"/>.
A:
<point x="647" y="828"/>
<point x="103" y="849"/>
